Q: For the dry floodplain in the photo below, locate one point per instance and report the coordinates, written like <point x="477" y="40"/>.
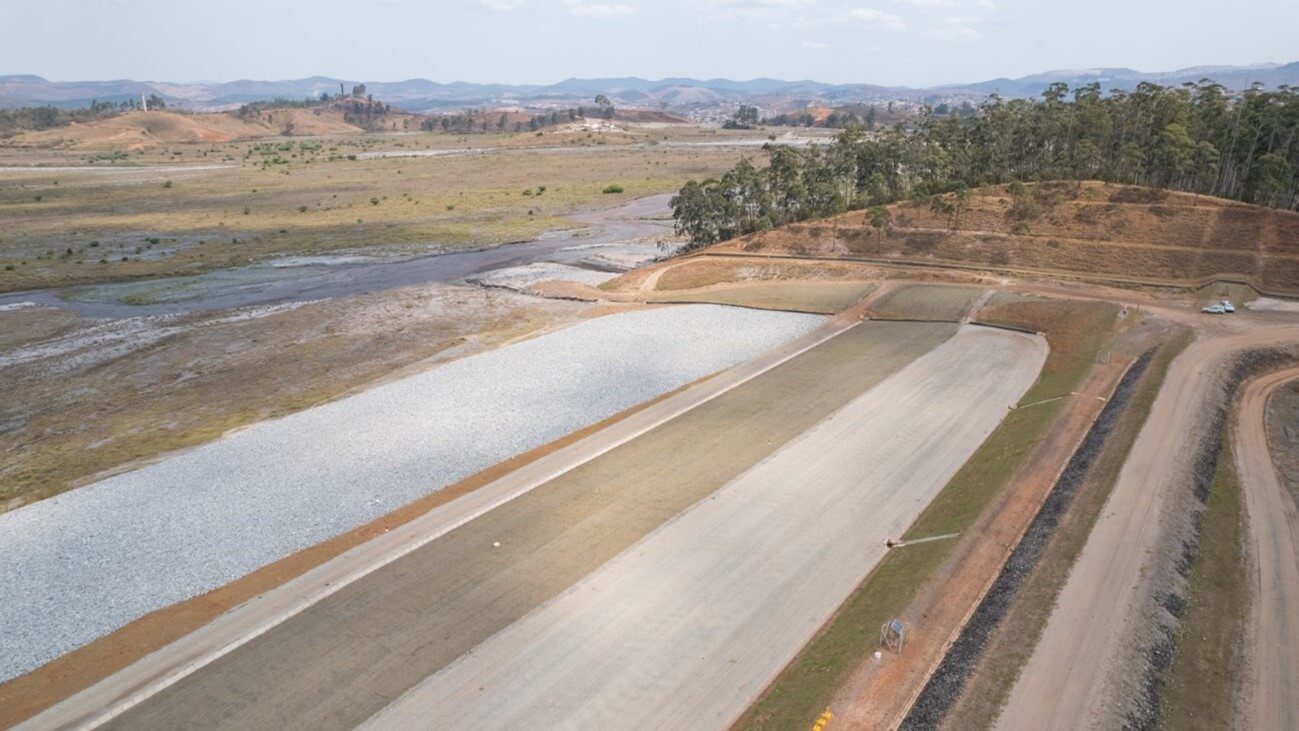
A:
<point x="86" y="562"/>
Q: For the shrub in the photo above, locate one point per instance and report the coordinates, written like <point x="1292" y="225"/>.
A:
<point x="166" y="183"/>
<point x="613" y="189"/>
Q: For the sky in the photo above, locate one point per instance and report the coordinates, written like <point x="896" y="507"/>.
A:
<point x="891" y="42"/>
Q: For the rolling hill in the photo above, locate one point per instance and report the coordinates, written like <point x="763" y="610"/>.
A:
<point x="1091" y="229"/>
<point x="423" y="94"/>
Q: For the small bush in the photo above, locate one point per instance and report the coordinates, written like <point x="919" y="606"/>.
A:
<point x="166" y="183"/>
<point x="613" y="189"/>
<point x="374" y="201"/>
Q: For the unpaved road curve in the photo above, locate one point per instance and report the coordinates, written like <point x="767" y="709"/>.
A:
<point x="1273" y="699"/>
<point x="687" y="626"/>
<point x="1061" y="686"/>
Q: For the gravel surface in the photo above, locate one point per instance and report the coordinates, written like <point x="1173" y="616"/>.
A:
<point x="1137" y="694"/>
<point x="86" y="562"/>
<point x="520" y="278"/>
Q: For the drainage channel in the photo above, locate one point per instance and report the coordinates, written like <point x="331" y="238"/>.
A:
<point x="945" y="685"/>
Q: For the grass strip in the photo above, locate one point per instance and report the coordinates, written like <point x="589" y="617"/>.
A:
<point x="801" y="691"/>
<point x="1011" y="645"/>
<point x="1200" y="683"/>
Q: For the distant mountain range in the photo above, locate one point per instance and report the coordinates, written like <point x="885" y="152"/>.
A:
<point x="672" y="93"/>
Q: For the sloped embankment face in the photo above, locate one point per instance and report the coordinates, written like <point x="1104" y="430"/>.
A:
<point x="1092" y="228"/>
<point x="83" y="563"/>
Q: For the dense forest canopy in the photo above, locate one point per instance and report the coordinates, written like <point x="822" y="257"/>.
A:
<point x="1196" y="138"/>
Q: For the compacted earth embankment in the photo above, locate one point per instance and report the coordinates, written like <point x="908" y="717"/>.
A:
<point x="348" y="656"/>
<point x="83" y="563"/>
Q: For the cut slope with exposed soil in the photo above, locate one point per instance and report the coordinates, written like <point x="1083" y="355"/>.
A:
<point x="1093" y="228"/>
<point x="137" y="130"/>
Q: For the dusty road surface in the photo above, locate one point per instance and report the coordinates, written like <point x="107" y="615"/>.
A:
<point x="687" y="627"/>
<point x="1273" y="693"/>
<point x="1062" y="685"/>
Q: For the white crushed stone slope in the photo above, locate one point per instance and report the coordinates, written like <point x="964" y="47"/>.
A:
<point x="81" y="564"/>
<point x="685" y="628"/>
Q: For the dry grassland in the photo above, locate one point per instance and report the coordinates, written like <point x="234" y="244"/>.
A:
<point x="309" y="196"/>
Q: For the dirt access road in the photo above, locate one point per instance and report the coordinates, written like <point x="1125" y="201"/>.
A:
<point x="1062" y="685"/>
<point x="689" y="625"/>
<point x="1273" y="695"/>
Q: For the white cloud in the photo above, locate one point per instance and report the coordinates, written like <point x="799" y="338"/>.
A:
<point x="759" y="4"/>
<point x="951" y="4"/>
<point x="754" y="10"/>
<point x="877" y="19"/>
<point x="501" y="6"/>
<point x="953" y="33"/>
<point x="597" y="10"/>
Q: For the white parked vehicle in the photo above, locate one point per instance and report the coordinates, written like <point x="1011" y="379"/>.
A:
<point x="1213" y="310"/>
<point x="1227" y="306"/>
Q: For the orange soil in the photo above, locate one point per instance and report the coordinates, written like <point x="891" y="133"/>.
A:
<point x="135" y="130"/>
<point x="1091" y="228"/>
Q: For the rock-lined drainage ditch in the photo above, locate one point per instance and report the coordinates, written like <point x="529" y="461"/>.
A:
<point x="947" y="682"/>
<point x="1167" y="602"/>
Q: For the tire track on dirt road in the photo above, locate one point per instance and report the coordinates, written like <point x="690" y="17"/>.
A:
<point x="1064" y="683"/>
<point x="1273" y="696"/>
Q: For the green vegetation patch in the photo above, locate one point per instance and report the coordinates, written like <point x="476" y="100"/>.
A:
<point x="1012" y="643"/>
<point x="1199" y="686"/>
<point x="928" y="302"/>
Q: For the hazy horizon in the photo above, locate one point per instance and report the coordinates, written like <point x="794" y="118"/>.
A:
<point x="917" y="43"/>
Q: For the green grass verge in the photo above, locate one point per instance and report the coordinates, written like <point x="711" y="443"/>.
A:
<point x="1199" y="686"/>
<point x="1011" y="645"/>
<point x="804" y="688"/>
<point x="926" y="301"/>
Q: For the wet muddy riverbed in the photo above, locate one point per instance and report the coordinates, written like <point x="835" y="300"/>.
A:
<point x="628" y="229"/>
